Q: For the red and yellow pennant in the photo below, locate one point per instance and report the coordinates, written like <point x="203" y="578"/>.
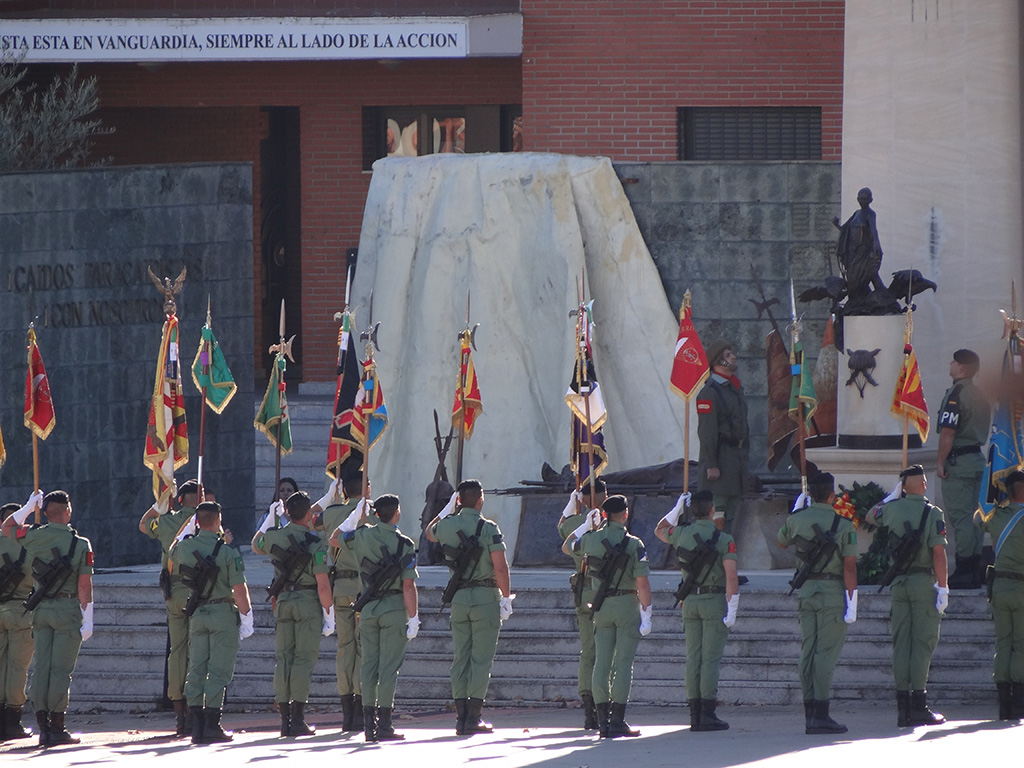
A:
<point x="908" y="398"/>
<point x="39" y="414"/>
<point x="467" y="405"/>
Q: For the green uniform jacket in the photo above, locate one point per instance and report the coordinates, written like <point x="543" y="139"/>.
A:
<point x="1011" y="555"/>
<point x="591" y="545"/>
<point x="39" y="542"/>
<point x="164" y="529"/>
<point x="229" y="561"/>
<point x="565" y="527"/>
<point x="965" y="409"/>
<point x="684" y="537"/>
<point x="293" y="534"/>
<point x="724" y="435"/>
<point x="364" y="544"/>
<point x="343" y="560"/>
<point x="447" y="533"/>
<point x="11" y="550"/>
<point x="899" y="512"/>
<point x="801" y="524"/>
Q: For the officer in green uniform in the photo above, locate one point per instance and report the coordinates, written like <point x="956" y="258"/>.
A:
<point x="302" y="604"/>
<point x="617" y="565"/>
<point x="389" y="615"/>
<point x="964" y="421"/>
<point x="1006" y="582"/>
<point x="163" y="525"/>
<point x="573" y="515"/>
<point x="15" y="631"/>
<point x="919" y="593"/>
<point x="222" y="617"/>
<point x="823" y="609"/>
<point x="724" y="433"/>
<point x="344" y="575"/>
<point x="482" y="602"/>
<point x="709" y="609"/>
<point x="63" y="615"/>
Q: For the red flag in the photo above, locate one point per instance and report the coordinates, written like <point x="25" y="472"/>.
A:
<point x="908" y="399"/>
<point x="690" y="367"/>
<point x="39" y="414"/>
<point x="467" y="405"/>
<point x="167" y="432"/>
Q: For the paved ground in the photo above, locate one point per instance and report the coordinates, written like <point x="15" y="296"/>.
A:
<point x="763" y="736"/>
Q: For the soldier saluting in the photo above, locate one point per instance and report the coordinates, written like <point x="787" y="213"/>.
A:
<point x="61" y="598"/>
<point x="15" y="631"/>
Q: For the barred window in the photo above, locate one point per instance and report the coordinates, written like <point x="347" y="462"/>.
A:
<point x="749" y="133"/>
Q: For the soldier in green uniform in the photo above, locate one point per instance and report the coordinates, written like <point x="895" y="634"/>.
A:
<point x="964" y="421"/>
<point x="917" y="544"/>
<point x="344" y="575"/>
<point x="222" y="615"/>
<point x="302" y="603"/>
<point x="63" y="614"/>
<point x="1006" y="584"/>
<point x="163" y="525"/>
<point x="826" y="547"/>
<point x="617" y="565"/>
<point x="15" y="629"/>
<point x="483" y="601"/>
<point x="724" y="433"/>
<point x="573" y="515"/>
<point x="389" y="606"/>
<point x="709" y="608"/>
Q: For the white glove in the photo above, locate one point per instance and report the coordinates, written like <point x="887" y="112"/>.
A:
<point x="730" y="610"/>
<point x="645" y="620"/>
<point x="412" y="627"/>
<point x="162" y="505"/>
<point x="327" y="628"/>
<point x="270" y="519"/>
<point x="941" y="598"/>
<point x="851" y="608"/>
<point x="594" y="518"/>
<point x="505" y="607"/>
<point x="802" y="501"/>
<point x="672" y="518"/>
<point x="449" y="508"/>
<point x="583" y="527"/>
<point x="575" y="499"/>
<point x="35" y="501"/>
<point x="87" y="622"/>
<point x="245" y="629"/>
<point x="332" y="496"/>
<point x="188" y="529"/>
<point x="351" y="522"/>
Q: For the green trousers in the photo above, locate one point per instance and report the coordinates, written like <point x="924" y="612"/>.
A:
<point x="15" y="652"/>
<point x="213" y="648"/>
<point x="177" y="630"/>
<point x="822" y="635"/>
<point x="474" y="642"/>
<point x="347" y="663"/>
<point x="915" y="630"/>
<point x="585" y="677"/>
<point x="616" y="637"/>
<point x="57" y="632"/>
<point x="298" y="620"/>
<point x="705" y="643"/>
<point x="1008" y="612"/>
<point x="959" y="500"/>
<point x="729" y="505"/>
<point x="382" y="640"/>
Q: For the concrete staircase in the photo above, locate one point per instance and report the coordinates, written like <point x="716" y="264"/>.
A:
<point x="121" y="667"/>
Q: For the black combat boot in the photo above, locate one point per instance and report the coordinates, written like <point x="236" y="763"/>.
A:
<point x="1005" y="693"/>
<point x="43" y="721"/>
<point x="3" y="722"/>
<point x="589" y="712"/>
<point x="808" y="715"/>
<point x="385" y="731"/>
<point x="903" y="709"/>
<point x="13" y="729"/>
<point x="709" y="721"/>
<point x="212" y="732"/>
<point x="299" y="725"/>
<point x="198" y="724"/>
<point x="617" y="725"/>
<point x="919" y="712"/>
<point x="370" y="723"/>
<point x="286" y="718"/>
<point x="1017" y="701"/>
<point x="821" y="722"/>
<point x="602" y="719"/>
<point x="358" y="712"/>
<point x="180" y="717"/>
<point x="965" y="576"/>
<point x="474" y="721"/>
<point x="461" y="713"/>
<point x="696" y="705"/>
<point x="347" y="713"/>
<point x="58" y="734"/>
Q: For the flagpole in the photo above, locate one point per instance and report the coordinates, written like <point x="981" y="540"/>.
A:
<point x="347" y="319"/>
<point x="35" y="437"/>
<point x="801" y="429"/>
<point x="277" y="369"/>
<point x="687" y="298"/>
<point x="908" y="332"/>
<point x="463" y="353"/>
<point x="369" y="365"/>
<point x="205" y="360"/>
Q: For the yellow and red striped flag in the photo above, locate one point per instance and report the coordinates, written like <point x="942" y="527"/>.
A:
<point x="467" y="405"/>
<point x="39" y="414"/>
<point x="167" y="431"/>
<point x="908" y="398"/>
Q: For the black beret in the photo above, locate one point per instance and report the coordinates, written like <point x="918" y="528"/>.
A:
<point x="914" y="470"/>
<point x="613" y="505"/>
<point x="967" y="357"/>
<point x="704" y="495"/>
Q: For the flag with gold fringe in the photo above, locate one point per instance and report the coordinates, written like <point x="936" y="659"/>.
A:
<point x="690" y="368"/>
<point x="167" y="431"/>
<point x="1006" y="440"/>
<point x="908" y="397"/>
<point x="210" y="372"/>
<point x="272" y="417"/>
<point x="467" y="405"/>
<point x="802" y="387"/>
<point x="370" y="413"/>
<point x="40" y="416"/>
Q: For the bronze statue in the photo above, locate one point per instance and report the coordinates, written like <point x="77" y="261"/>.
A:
<point x="859" y="253"/>
<point x="168" y="289"/>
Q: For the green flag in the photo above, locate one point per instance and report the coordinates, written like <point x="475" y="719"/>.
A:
<point x="218" y="381"/>
<point x="272" y="418"/>
<point x="803" y="387"/>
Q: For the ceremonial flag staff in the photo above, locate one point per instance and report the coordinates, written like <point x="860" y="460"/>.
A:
<point x="796" y="363"/>
<point x="272" y="418"/>
<point x="40" y="417"/>
<point x="336" y="449"/>
<point x="690" y="369"/>
<point x="370" y="401"/>
<point x="212" y="377"/>
<point x="908" y="399"/>
<point x="467" y="393"/>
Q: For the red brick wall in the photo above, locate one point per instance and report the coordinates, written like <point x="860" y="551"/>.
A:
<point x="606" y="77"/>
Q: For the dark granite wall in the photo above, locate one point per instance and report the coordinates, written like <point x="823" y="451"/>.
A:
<point x="74" y="247"/>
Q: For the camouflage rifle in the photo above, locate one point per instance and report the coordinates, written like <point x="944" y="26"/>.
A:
<point x="288" y="565"/>
<point x="613" y="566"/>
<point x="381" y="573"/>
<point x="51" y="576"/>
<point x="696" y="564"/>
<point x="11" y="573"/>
<point x="820" y="550"/>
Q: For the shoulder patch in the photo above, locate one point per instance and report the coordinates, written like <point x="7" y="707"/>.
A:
<point x="498" y="538"/>
<point x="321" y="557"/>
<point x="239" y="563"/>
<point x="88" y="558"/>
<point x="641" y="553"/>
<point x="703" y="406"/>
<point x="21" y="533"/>
<point x="348" y="535"/>
<point x="940" y="527"/>
<point x="259" y="542"/>
<point x="732" y="547"/>
<point x="153" y="524"/>
<point x="409" y="561"/>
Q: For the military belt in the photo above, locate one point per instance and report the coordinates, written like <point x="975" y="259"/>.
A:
<point x="479" y="583"/>
<point x="217" y="600"/>
<point x="963" y="450"/>
<point x="63" y="596"/>
<point x="824" y="577"/>
<point x="298" y="588"/>
<point x="1012" y="575"/>
<point x="920" y="569"/>
<point x="619" y="592"/>
<point x="732" y="441"/>
<point x="709" y="590"/>
<point x="388" y="593"/>
<point x="346" y="574"/>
